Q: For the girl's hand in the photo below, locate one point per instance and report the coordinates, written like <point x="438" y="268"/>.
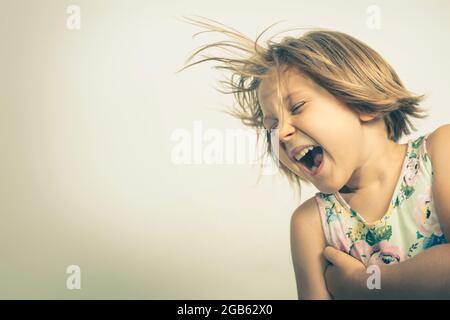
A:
<point x="346" y="276"/>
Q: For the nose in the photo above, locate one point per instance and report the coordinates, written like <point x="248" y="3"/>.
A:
<point x="286" y="131"/>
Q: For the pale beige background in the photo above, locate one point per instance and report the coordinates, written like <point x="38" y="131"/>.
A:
<point x="85" y="123"/>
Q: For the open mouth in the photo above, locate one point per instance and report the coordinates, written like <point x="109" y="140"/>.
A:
<point x="311" y="159"/>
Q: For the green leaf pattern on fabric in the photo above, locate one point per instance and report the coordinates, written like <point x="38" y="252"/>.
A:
<point x="376" y="235"/>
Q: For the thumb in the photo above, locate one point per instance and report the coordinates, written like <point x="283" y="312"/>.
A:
<point x="334" y="256"/>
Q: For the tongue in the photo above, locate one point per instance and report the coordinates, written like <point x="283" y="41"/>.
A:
<point x="318" y="157"/>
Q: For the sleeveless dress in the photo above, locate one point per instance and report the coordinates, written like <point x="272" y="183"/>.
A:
<point x="409" y="227"/>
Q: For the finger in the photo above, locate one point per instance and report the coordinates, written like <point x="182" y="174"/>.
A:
<point x="335" y="256"/>
<point x="328" y="253"/>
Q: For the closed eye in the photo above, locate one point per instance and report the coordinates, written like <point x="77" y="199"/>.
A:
<point x="296" y="107"/>
<point x="294" y="110"/>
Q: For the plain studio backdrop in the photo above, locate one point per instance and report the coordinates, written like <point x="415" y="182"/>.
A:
<point x="87" y="118"/>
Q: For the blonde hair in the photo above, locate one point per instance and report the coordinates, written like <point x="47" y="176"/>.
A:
<point x="347" y="68"/>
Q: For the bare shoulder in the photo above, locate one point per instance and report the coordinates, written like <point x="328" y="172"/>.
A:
<point x="306" y="225"/>
<point x="307" y="218"/>
<point x="438" y="147"/>
<point x="438" y="142"/>
<point x="307" y="245"/>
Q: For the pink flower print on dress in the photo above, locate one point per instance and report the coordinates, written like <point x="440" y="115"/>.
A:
<point x="427" y="223"/>
<point x="361" y="250"/>
<point x="338" y="238"/>
<point x="412" y="168"/>
<point x="384" y="252"/>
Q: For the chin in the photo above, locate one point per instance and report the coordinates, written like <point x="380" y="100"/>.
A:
<point x="327" y="188"/>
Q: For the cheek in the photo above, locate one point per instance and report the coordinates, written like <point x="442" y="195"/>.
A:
<point x="338" y="168"/>
<point x="343" y="167"/>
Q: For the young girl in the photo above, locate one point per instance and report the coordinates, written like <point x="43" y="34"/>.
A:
<point x="336" y="110"/>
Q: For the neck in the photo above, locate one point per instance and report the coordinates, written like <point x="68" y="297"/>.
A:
<point x="381" y="160"/>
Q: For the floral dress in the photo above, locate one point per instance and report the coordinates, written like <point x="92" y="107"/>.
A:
<point x="409" y="227"/>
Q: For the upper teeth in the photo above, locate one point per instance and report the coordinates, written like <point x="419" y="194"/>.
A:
<point x="303" y="153"/>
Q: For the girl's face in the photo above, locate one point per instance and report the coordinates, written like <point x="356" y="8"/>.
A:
<point x="310" y="116"/>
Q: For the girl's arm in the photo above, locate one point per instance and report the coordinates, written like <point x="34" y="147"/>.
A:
<point x="424" y="276"/>
<point x="307" y="244"/>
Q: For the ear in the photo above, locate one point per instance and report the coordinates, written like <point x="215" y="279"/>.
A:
<point x="367" y="117"/>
